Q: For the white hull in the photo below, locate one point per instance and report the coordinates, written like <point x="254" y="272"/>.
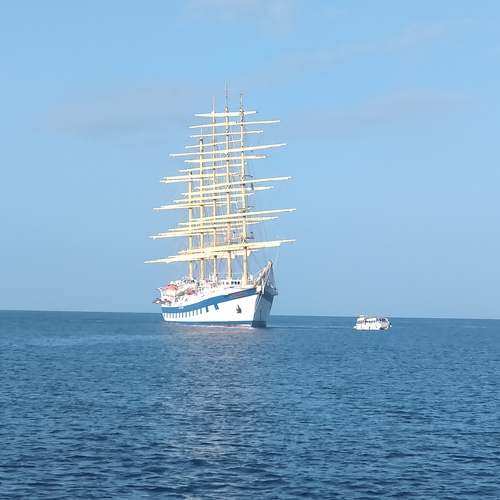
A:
<point x="248" y="306"/>
<point x="371" y="323"/>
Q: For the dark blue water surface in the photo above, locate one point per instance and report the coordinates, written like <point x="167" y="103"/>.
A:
<point x="124" y="406"/>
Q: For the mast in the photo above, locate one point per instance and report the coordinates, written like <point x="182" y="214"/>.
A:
<point x="190" y="218"/>
<point x="201" y="209"/>
<point x="244" y="278"/>
<point x="229" y="260"/>
<point x="213" y="182"/>
<point x="219" y="186"/>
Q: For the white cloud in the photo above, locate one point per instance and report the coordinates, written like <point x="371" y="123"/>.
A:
<point x="274" y="17"/>
<point x="391" y="109"/>
<point x="296" y="64"/>
<point x="399" y="105"/>
<point x="123" y="111"/>
<point x="421" y="33"/>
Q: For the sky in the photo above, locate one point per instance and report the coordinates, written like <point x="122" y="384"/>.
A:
<point x="391" y="115"/>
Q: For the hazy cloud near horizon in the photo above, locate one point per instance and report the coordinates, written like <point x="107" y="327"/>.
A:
<point x="165" y="107"/>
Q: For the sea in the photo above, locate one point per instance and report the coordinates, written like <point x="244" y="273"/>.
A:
<point x="125" y="406"/>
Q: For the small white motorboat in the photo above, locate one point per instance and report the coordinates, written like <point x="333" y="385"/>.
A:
<point x="372" y="323"/>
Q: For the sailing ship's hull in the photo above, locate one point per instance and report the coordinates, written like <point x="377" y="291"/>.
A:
<point x="245" y="306"/>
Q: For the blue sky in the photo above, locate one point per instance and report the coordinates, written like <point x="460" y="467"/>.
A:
<point x="390" y="111"/>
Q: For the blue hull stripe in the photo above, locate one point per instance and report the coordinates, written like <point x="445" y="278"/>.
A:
<point x="213" y="301"/>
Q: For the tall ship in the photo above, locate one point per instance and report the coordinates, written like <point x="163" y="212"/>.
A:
<point x="221" y="219"/>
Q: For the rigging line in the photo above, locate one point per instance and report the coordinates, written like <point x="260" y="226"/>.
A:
<point x="277" y="255"/>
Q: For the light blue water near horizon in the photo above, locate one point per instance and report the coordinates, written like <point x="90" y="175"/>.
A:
<point x="108" y="405"/>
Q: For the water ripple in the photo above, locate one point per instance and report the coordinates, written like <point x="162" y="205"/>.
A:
<point x="125" y="406"/>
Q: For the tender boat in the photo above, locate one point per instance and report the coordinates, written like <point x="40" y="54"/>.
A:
<point x="372" y="323"/>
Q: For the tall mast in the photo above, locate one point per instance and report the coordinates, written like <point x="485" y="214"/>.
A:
<point x="229" y="259"/>
<point x="190" y="218"/>
<point x="217" y="200"/>
<point x="213" y="183"/>
<point x="244" y="279"/>
<point x="201" y="209"/>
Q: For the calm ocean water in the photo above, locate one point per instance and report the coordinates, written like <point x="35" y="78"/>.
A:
<point x="123" y="406"/>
